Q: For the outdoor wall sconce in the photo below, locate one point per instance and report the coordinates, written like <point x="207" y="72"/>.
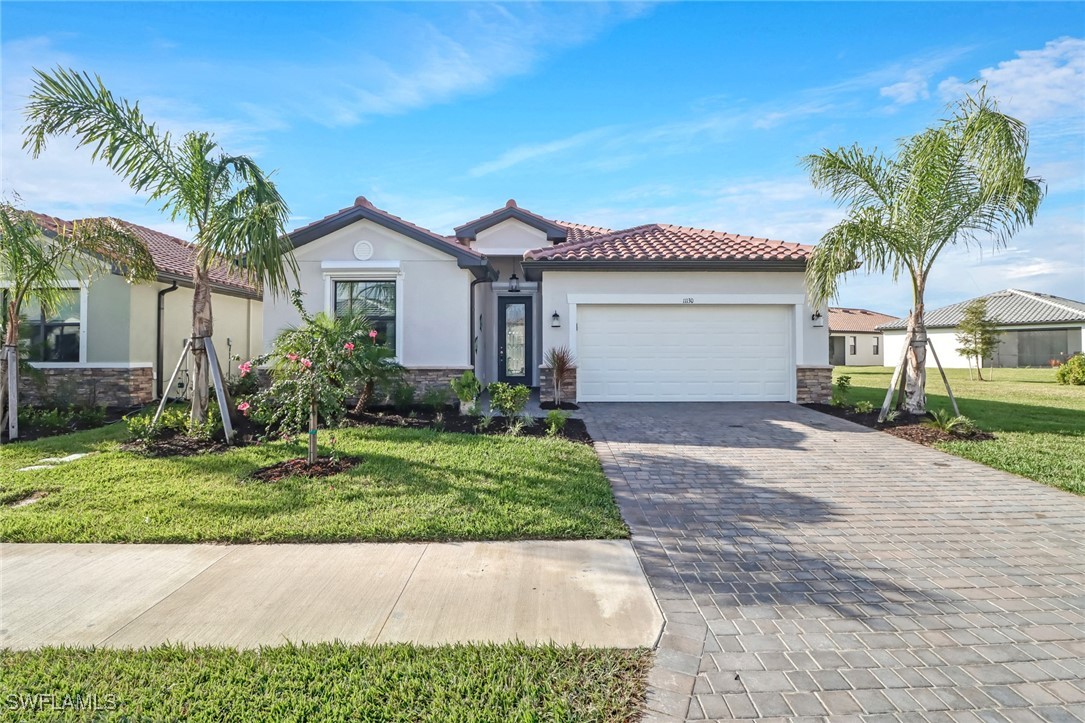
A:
<point x="514" y="283"/>
<point x="817" y="318"/>
<point x="555" y="321"/>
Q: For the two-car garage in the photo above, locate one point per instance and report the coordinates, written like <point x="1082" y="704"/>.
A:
<point x="685" y="352"/>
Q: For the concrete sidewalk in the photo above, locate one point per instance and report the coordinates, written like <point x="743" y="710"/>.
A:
<point x="586" y="592"/>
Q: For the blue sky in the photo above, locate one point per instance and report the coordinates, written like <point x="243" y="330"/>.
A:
<point x="693" y="114"/>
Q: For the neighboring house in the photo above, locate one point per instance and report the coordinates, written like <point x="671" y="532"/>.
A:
<point x="1037" y="329"/>
<point x="653" y="312"/>
<point x="854" y="339"/>
<point x="116" y="343"/>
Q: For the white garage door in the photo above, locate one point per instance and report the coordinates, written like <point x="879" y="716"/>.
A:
<point x="677" y="352"/>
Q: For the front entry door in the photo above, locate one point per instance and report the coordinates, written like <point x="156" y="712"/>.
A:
<point x="514" y="340"/>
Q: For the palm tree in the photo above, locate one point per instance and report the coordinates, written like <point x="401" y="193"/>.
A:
<point x="960" y="182"/>
<point x="32" y="264"/>
<point x="235" y="211"/>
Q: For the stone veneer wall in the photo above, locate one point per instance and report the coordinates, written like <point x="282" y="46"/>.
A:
<point x="430" y="378"/>
<point x="813" y="384"/>
<point x="546" y="385"/>
<point x="102" y="386"/>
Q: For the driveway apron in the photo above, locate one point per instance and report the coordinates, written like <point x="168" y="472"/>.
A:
<point x="810" y="567"/>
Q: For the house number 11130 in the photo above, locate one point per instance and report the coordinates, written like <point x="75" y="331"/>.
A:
<point x="687" y="300"/>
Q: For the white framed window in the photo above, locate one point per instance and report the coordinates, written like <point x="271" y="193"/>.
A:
<point x="376" y="293"/>
<point x="853" y="345"/>
<point x="877" y="345"/>
<point x="375" y="299"/>
<point x="57" y="335"/>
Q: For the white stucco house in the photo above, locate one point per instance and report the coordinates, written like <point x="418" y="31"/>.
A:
<point x="654" y="312"/>
<point x="854" y="338"/>
<point x="1036" y="330"/>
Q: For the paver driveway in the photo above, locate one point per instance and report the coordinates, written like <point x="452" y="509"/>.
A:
<point x="811" y="567"/>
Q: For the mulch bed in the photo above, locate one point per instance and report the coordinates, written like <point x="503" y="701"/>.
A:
<point x="574" y="430"/>
<point x="564" y="405"/>
<point x="905" y="426"/>
<point x="28" y="433"/>
<point x="299" y="467"/>
<point x="246" y="432"/>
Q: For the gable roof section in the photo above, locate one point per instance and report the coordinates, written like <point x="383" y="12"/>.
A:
<point x="555" y="232"/>
<point x="1009" y="307"/>
<point x="677" y="246"/>
<point x="856" y="320"/>
<point x="173" y="257"/>
<point x="364" y="210"/>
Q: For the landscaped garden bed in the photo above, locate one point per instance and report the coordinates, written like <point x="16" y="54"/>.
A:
<point x="1037" y="425"/>
<point x="41" y="422"/>
<point x="914" y="428"/>
<point x="331" y="682"/>
<point x="449" y="420"/>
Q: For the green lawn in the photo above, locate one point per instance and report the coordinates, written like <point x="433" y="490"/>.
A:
<point x="329" y="682"/>
<point x="1039" y="423"/>
<point x="410" y="485"/>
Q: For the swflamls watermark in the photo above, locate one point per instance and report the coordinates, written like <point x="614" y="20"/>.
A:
<point x="61" y="701"/>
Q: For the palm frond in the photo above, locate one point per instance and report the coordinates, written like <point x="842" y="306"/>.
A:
<point x="67" y="102"/>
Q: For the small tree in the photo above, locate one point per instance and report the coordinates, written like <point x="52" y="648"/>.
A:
<point x="977" y="335"/>
<point x="33" y="263"/>
<point x="374" y="364"/>
<point x="313" y="370"/>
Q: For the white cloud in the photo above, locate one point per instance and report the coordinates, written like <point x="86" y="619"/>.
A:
<point x="907" y="91"/>
<point x="1036" y="86"/>
<point x="529" y="152"/>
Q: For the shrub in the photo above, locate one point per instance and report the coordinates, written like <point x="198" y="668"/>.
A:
<point x="942" y="420"/>
<point x="47" y="420"/>
<point x="466" y="387"/>
<point x="1072" y="371"/>
<point x="864" y="407"/>
<point x="403" y="397"/>
<point x="841" y="387"/>
<point x="508" y="399"/>
<point x="374" y="365"/>
<point x="89" y="416"/>
<point x="174" y="419"/>
<point x="555" y="422"/>
<point x="435" y="398"/>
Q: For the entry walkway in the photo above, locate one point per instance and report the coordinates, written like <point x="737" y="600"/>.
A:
<point x="585" y="592"/>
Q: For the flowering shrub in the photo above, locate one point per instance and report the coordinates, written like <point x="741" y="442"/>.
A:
<point x="314" y="368"/>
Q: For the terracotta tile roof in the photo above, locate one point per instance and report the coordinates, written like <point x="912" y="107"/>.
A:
<point x="49" y="224"/>
<point x="363" y="202"/>
<point x="172" y="256"/>
<point x="176" y="257"/>
<point x="859" y="320"/>
<point x="581" y="231"/>
<point x="662" y="242"/>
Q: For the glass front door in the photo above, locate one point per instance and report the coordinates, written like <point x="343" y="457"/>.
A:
<point x="514" y="340"/>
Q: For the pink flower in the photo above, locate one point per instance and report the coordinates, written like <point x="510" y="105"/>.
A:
<point x="349" y="346"/>
<point x="243" y="408"/>
<point x="372" y="333"/>
<point x="306" y="363"/>
<point x="245" y="368"/>
<point x="292" y="357"/>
